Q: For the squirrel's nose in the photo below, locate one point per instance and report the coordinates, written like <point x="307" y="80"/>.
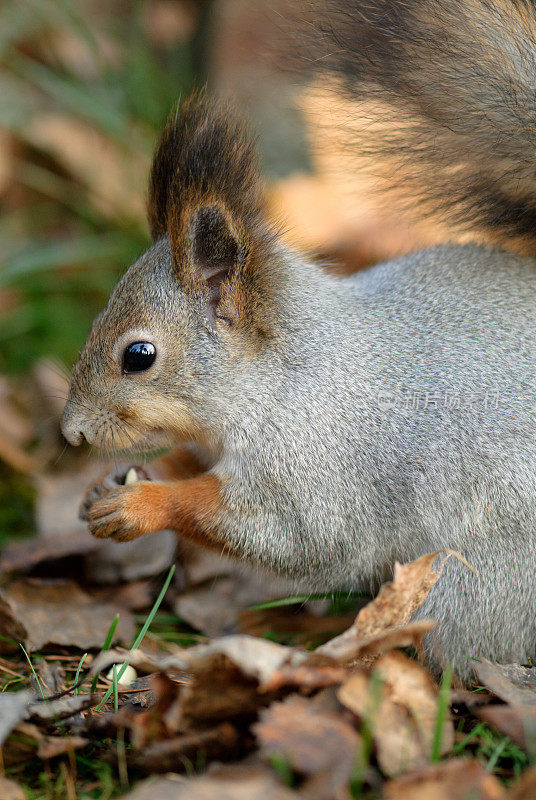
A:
<point x="70" y="427"/>
<point x="73" y="437"/>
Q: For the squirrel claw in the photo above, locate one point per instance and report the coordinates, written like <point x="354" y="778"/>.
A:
<point x="112" y="517"/>
<point x="110" y="483"/>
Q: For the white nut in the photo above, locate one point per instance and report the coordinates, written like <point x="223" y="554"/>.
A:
<point x="127" y="678"/>
<point x="131" y="476"/>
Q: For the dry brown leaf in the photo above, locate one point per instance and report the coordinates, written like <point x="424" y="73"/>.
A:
<point x="225" y="783"/>
<point x="315" y="742"/>
<point x="406" y="636"/>
<point x="232" y="676"/>
<point x="58" y="708"/>
<point x="525" y="787"/>
<point x="516" y="685"/>
<point x="24" y="555"/>
<point x="516" y="722"/>
<point x="22" y="745"/>
<point x="221" y="742"/>
<point x="257" y="659"/>
<point x="290" y="620"/>
<point x="456" y="779"/>
<point x="52" y="746"/>
<point x="9" y="790"/>
<point x="307" y="676"/>
<point x="16" y="707"/>
<point x="398" y="701"/>
<point x="391" y="610"/>
<point x="13" y="706"/>
<point x="60" y="613"/>
<point x="511" y="682"/>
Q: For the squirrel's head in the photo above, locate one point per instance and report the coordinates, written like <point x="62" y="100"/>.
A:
<point x="194" y="307"/>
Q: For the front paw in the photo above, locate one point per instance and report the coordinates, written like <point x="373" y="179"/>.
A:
<point x="121" y="514"/>
<point x="108" y="484"/>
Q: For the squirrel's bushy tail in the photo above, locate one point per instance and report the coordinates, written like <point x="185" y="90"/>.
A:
<point x="454" y="84"/>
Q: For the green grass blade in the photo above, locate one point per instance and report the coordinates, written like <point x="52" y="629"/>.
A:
<point x="34" y="673"/>
<point x="115" y="685"/>
<point x="77" y="675"/>
<point x="442" y="711"/>
<point x="140" y="637"/>
<point x="299" y="599"/>
<point x="106" y="646"/>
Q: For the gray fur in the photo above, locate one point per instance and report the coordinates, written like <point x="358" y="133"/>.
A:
<point x="334" y="459"/>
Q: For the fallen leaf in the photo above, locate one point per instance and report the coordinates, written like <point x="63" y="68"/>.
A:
<point x="221" y="742"/>
<point x="22" y="744"/>
<point x="289" y="620"/>
<point x="13" y="707"/>
<point x="516" y="722"/>
<point x="315" y="742"/>
<point x="243" y="666"/>
<point x="9" y="790"/>
<point x="307" y="676"/>
<point x="390" y="611"/>
<point x="398" y="703"/>
<point x="53" y="746"/>
<point x="23" y="556"/>
<point x="250" y="674"/>
<point x="516" y="685"/>
<point x="39" y="614"/>
<point x="511" y="682"/>
<point x="457" y="779"/>
<point x="525" y="787"/>
<point x="225" y="783"/>
<point x="409" y="635"/>
<point x="58" y="708"/>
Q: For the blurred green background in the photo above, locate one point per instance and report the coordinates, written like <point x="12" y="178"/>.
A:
<point x="84" y="89"/>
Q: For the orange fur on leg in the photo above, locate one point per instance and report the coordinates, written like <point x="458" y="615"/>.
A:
<point x="191" y="507"/>
<point x="180" y="463"/>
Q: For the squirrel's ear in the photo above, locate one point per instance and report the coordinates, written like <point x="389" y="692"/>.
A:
<point x="205" y="195"/>
<point x="215" y="255"/>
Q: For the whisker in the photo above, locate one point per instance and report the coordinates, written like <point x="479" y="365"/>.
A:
<point x="61" y="454"/>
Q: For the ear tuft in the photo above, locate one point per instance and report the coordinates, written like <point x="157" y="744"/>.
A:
<point x="205" y="155"/>
<point x="205" y="195"/>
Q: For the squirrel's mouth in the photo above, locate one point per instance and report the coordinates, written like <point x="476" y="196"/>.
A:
<point x="108" y="432"/>
<point x="150" y="442"/>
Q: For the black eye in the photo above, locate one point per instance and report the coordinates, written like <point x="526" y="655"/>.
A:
<point x="138" y="356"/>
